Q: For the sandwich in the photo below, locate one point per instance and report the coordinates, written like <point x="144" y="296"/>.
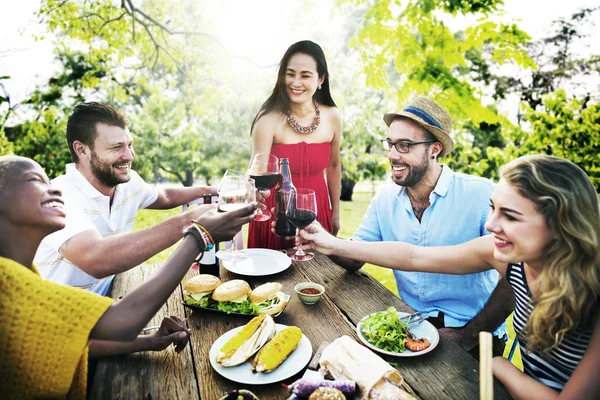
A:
<point x="232" y="296"/>
<point x="197" y="291"/>
<point x="247" y="341"/>
<point x="268" y="298"/>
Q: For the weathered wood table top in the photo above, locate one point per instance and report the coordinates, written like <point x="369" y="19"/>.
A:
<point x="447" y="372"/>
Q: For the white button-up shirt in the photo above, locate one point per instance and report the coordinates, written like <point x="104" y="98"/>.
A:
<point x="88" y="209"/>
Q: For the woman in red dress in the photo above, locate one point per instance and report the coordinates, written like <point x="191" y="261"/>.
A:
<point x="301" y="122"/>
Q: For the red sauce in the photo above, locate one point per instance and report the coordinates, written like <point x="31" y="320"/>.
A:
<point x="310" y="291"/>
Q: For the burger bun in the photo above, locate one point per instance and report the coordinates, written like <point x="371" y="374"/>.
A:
<point x="202" y="283"/>
<point x="231" y="290"/>
<point x="264" y="292"/>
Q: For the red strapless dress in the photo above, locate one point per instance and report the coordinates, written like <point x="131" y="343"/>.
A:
<point x="308" y="162"/>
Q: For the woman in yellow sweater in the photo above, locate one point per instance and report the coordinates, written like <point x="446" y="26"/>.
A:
<point x="45" y="328"/>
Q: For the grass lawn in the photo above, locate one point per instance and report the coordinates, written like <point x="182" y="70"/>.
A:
<point x="351" y="216"/>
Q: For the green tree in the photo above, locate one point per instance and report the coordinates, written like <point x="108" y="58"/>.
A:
<point x="410" y="50"/>
<point x="6" y="146"/>
<point x="43" y="140"/>
<point x="564" y="128"/>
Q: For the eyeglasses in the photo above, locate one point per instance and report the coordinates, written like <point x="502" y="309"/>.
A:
<point x="401" y="146"/>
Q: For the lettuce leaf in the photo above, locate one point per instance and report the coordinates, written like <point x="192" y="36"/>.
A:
<point x="203" y="302"/>
<point x="245" y="307"/>
<point x="268" y="303"/>
<point x="385" y="330"/>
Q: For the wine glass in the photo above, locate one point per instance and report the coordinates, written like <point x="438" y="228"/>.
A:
<point x="234" y="193"/>
<point x="264" y="169"/>
<point x="230" y="172"/>
<point x="301" y="211"/>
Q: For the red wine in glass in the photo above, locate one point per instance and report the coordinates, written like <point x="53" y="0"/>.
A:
<point x="264" y="169"/>
<point x="266" y="181"/>
<point x="301" y="218"/>
<point x="301" y="212"/>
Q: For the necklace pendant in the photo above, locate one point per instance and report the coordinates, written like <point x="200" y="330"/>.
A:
<point x="305" y="130"/>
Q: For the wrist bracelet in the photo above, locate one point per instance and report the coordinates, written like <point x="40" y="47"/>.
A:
<point x="210" y="242"/>
<point x="192" y="230"/>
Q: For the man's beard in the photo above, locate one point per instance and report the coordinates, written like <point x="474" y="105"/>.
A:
<point x="104" y="173"/>
<point x="415" y="174"/>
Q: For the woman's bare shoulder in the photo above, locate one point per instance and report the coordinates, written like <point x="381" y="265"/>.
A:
<point x="269" y="121"/>
<point x="333" y="112"/>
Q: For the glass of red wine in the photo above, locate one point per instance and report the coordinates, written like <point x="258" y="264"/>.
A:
<point x="301" y="212"/>
<point x="234" y="193"/>
<point x="264" y="169"/>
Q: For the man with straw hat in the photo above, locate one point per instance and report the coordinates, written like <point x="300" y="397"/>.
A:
<point x="434" y="206"/>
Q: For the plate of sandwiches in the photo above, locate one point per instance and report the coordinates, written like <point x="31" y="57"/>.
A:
<point x="259" y="262"/>
<point x="260" y="352"/>
<point x="207" y="292"/>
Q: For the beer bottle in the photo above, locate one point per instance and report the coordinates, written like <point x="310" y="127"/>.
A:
<point x="285" y="193"/>
<point x="209" y="264"/>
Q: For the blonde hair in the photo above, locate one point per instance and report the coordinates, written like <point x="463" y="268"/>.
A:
<point x="569" y="285"/>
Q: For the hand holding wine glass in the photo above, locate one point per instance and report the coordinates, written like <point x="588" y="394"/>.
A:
<point x="302" y="211"/>
<point x="264" y="169"/>
<point x="234" y="193"/>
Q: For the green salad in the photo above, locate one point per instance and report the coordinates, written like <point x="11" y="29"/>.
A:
<point x="385" y="330"/>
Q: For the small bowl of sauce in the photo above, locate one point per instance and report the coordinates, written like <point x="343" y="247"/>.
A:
<point x="309" y="292"/>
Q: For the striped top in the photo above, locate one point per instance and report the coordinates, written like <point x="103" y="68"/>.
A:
<point x="556" y="368"/>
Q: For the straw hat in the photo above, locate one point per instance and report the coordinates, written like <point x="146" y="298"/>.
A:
<point x="431" y="116"/>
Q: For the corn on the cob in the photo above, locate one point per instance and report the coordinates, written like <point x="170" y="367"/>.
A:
<point x="239" y="338"/>
<point x="262" y="335"/>
<point x="277" y="350"/>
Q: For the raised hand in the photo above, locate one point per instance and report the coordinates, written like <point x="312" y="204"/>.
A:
<point x="314" y="236"/>
<point x="223" y="225"/>
<point x="197" y="212"/>
<point x="172" y="330"/>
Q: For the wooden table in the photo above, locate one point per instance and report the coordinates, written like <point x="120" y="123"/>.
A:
<point x="447" y="372"/>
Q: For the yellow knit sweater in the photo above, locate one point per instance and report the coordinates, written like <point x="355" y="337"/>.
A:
<point x="44" y="330"/>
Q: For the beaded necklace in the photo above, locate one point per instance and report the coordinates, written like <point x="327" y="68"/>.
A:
<point x="305" y="130"/>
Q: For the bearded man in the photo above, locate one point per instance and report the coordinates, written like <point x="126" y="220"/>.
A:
<point x="102" y="195"/>
<point x="430" y="205"/>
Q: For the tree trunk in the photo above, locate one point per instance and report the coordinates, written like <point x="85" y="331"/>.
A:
<point x="347" y="189"/>
<point x="189" y="178"/>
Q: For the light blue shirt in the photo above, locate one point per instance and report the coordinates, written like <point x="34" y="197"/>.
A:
<point x="457" y="214"/>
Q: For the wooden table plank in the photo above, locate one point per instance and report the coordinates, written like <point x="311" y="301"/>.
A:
<point x="151" y="374"/>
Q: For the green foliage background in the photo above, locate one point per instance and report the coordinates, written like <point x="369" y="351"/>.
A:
<point x="190" y="121"/>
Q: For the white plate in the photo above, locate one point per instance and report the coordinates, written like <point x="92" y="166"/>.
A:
<point x="243" y="373"/>
<point x="423" y="329"/>
<point x="259" y="262"/>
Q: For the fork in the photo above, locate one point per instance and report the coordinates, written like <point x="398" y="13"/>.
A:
<point x="412" y="318"/>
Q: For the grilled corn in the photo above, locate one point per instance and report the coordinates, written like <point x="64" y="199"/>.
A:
<point x="263" y="334"/>
<point x="277" y="350"/>
<point x="240" y="338"/>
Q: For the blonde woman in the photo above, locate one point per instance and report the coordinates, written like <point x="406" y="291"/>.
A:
<point x="545" y="225"/>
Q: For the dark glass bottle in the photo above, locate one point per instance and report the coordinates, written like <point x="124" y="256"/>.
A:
<point x="285" y="193"/>
<point x="209" y="264"/>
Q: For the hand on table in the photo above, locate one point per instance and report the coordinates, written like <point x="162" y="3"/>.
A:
<point x="172" y="330"/>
